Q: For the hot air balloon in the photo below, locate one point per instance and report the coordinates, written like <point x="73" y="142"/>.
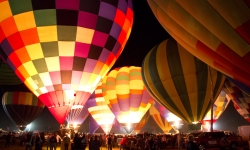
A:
<point x="216" y="32"/>
<point x="243" y="112"/>
<point x="99" y="109"/>
<point x="160" y="120"/>
<point x="240" y="98"/>
<point x="142" y="123"/>
<point x="7" y="75"/>
<point x="126" y="95"/>
<point x="175" y="121"/>
<point x="181" y="82"/>
<point x="76" y="116"/>
<point x="219" y="106"/>
<point x="62" y="49"/>
<point x="240" y="85"/>
<point x="21" y="107"/>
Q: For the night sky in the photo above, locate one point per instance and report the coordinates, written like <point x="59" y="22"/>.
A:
<point x="146" y="33"/>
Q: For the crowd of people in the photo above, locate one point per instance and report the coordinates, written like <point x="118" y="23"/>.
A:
<point x="80" y="141"/>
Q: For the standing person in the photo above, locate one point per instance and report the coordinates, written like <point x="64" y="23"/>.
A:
<point x="38" y="141"/>
<point x="191" y="145"/>
<point x="7" y="139"/>
<point x="52" y="142"/>
<point x="123" y="143"/>
<point x="66" y="141"/>
<point x="29" y="141"/>
<point x="58" y="140"/>
<point x="180" y="141"/>
<point x="109" y="139"/>
<point x="90" y="141"/>
<point x="42" y="140"/>
<point x="84" y="141"/>
<point x="95" y="144"/>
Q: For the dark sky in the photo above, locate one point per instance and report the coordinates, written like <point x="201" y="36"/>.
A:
<point x="146" y="33"/>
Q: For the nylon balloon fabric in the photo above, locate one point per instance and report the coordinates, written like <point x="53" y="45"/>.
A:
<point x="22" y="107"/>
<point x="180" y="82"/>
<point x="61" y="49"/>
<point x="216" y="32"/>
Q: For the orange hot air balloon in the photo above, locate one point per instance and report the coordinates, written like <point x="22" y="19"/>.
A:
<point x="216" y="32"/>
<point x="22" y="107"/>
<point x="126" y="95"/>
<point x="62" y="49"/>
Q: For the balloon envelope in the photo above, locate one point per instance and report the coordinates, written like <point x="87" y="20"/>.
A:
<point x="160" y="120"/>
<point x="240" y="98"/>
<point x="62" y="49"/>
<point x="216" y="32"/>
<point x="180" y="82"/>
<point x="219" y="106"/>
<point x="22" y="107"/>
<point x="126" y="95"/>
<point x="99" y="110"/>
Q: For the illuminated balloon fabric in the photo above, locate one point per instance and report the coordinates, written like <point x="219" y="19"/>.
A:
<point x="60" y="48"/>
<point x="240" y="98"/>
<point x="77" y="115"/>
<point x="216" y="32"/>
<point x="142" y="123"/>
<point x="126" y="95"/>
<point x="243" y="112"/>
<point x="180" y="81"/>
<point x="218" y="107"/>
<point x="160" y="120"/>
<point x="7" y="76"/>
<point x="240" y="85"/>
<point x="171" y="118"/>
<point x="22" y="107"/>
<point x="99" y="110"/>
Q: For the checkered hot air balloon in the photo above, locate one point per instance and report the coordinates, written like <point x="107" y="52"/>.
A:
<point x="61" y="49"/>
<point x="22" y="107"/>
<point x="239" y="97"/>
<point x="243" y="112"/>
<point x="179" y="81"/>
<point x="216" y="32"/>
<point x="126" y="95"/>
<point x="99" y="109"/>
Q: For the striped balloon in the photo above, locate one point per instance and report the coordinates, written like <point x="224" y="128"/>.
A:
<point x="22" y="107"/>
<point x="219" y="106"/>
<point x="217" y="32"/>
<point x="126" y="95"/>
<point x="77" y="116"/>
<point x="179" y="81"/>
<point x="243" y="112"/>
<point x="160" y="120"/>
<point x="7" y="75"/>
<point x="99" y="109"/>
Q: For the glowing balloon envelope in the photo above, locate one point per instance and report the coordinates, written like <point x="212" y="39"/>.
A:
<point x="126" y="95"/>
<point x="22" y="107"/>
<point x="180" y="82"/>
<point x="62" y="49"/>
<point x="213" y="31"/>
<point x="160" y="120"/>
<point x="99" y="110"/>
<point x="76" y="116"/>
<point x="243" y="112"/>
